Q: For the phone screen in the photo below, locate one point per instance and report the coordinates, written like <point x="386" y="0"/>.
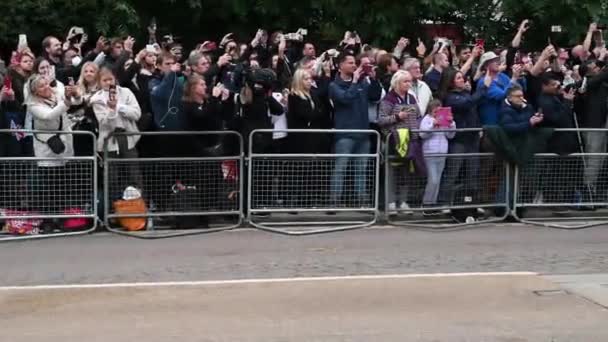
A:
<point x="8" y="82"/>
<point x="112" y="92"/>
<point x="444" y="114"/>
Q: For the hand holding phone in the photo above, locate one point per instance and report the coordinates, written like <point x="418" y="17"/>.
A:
<point x="8" y="83"/>
<point x="444" y="117"/>
<point x="7" y="90"/>
<point x="112" y="101"/>
<point x="22" y="45"/>
<point x="152" y="26"/>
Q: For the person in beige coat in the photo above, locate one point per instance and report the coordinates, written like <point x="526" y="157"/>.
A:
<point x="117" y="112"/>
<point x="56" y="188"/>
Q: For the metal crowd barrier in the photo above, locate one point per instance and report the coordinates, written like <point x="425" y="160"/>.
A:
<point x="444" y="191"/>
<point x="298" y="186"/>
<point x="191" y="182"/>
<point x="47" y="197"/>
<point x="565" y="191"/>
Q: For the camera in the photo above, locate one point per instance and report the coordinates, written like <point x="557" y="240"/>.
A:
<point x="259" y="80"/>
<point x="293" y="37"/>
<point x="444" y="42"/>
<point x="296" y="36"/>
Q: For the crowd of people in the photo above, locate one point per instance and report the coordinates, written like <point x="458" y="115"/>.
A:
<point x="413" y="94"/>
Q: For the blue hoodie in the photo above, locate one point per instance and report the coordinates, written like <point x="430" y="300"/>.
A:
<point x="351" y="102"/>
<point x="166" y="101"/>
<point x="491" y="103"/>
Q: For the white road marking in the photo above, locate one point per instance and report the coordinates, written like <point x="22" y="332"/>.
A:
<point x="257" y="281"/>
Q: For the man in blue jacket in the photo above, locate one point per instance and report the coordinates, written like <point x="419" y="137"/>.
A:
<point x="166" y="94"/>
<point x="351" y="93"/>
<point x="517" y="118"/>
<point x="496" y="92"/>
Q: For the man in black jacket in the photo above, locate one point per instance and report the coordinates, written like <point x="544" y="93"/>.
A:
<point x="594" y="116"/>
<point x="562" y="175"/>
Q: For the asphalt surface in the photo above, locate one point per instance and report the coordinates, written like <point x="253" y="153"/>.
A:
<point x="249" y="254"/>
<point x="568" y="301"/>
<point x="506" y="308"/>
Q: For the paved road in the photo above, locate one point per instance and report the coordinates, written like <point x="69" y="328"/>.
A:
<point x="570" y="307"/>
<point x="481" y="308"/>
<point x="104" y="258"/>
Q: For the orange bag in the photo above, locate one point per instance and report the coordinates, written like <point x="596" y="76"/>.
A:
<point x="130" y="207"/>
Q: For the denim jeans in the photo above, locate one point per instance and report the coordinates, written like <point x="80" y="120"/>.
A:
<point x="350" y="145"/>
<point x="434" y="169"/>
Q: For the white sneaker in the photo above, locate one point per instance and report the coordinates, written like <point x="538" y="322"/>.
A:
<point x="405" y="209"/>
<point x="392" y="208"/>
<point x="481" y="211"/>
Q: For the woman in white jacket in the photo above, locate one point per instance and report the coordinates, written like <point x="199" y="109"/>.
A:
<point x="49" y="107"/>
<point x="117" y="111"/>
<point x="56" y="189"/>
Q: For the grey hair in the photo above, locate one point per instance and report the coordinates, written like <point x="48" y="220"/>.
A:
<point x="31" y="86"/>
<point x="195" y="57"/>
<point x="35" y="81"/>
<point x="398" y="77"/>
<point x="408" y="63"/>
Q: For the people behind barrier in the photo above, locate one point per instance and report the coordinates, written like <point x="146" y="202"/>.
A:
<point x="279" y="81"/>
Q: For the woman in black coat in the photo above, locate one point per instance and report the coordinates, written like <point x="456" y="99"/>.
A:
<point x="306" y="111"/>
<point x="199" y="186"/>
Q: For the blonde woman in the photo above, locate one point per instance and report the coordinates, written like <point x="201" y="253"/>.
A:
<point x="88" y="81"/>
<point x="49" y="107"/>
<point x="117" y="111"/>
<point x="304" y="111"/>
<point x="82" y="117"/>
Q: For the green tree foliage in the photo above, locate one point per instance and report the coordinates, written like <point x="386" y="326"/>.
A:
<point x="380" y="21"/>
<point x="39" y="18"/>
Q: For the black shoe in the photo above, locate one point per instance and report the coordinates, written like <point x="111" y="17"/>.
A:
<point x="262" y="214"/>
<point x="48" y="227"/>
<point x="560" y="210"/>
<point x="499" y="212"/>
<point x="431" y="213"/>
